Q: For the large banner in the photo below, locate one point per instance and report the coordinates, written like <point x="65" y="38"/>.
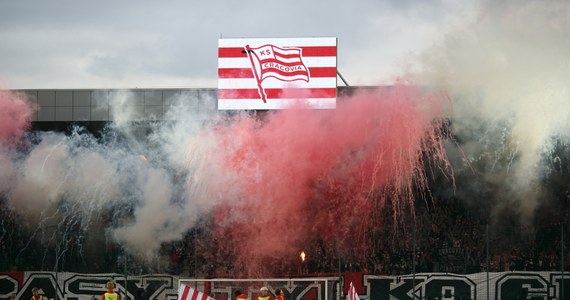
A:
<point x="500" y="286"/>
<point x="261" y="74"/>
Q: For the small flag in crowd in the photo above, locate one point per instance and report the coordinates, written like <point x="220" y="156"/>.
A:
<point x="187" y="293"/>
<point x="352" y="295"/>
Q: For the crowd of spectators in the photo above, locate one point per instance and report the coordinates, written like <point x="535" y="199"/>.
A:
<point x="448" y="237"/>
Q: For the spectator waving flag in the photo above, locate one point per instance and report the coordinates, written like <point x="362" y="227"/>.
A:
<point x="352" y="295"/>
<point x="187" y="293"/>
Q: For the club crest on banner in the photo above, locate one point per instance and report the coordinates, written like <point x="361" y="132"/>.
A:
<point x="285" y="64"/>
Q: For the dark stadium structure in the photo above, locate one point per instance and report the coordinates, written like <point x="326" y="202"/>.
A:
<point x="450" y="236"/>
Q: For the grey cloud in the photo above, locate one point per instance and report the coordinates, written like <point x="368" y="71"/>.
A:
<point x="149" y="42"/>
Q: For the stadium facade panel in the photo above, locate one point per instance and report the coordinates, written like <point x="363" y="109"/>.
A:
<point x="105" y="105"/>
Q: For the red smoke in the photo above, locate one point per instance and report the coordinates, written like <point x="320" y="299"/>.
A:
<point x="299" y="175"/>
<point x="15" y="116"/>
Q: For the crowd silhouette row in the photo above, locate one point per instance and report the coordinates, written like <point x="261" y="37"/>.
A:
<point x="448" y="236"/>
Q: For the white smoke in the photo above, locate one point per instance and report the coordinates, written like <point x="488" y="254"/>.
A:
<point x="507" y="71"/>
<point x="57" y="170"/>
<point x="152" y="179"/>
<point x="174" y="178"/>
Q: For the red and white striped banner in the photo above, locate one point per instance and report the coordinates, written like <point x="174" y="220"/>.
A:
<point x="187" y="293"/>
<point x="277" y="73"/>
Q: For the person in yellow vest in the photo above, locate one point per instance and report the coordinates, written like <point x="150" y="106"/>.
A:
<point x="36" y="294"/>
<point x="264" y="294"/>
<point x="110" y="294"/>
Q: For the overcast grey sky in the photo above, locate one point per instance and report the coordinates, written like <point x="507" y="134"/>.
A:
<point x="151" y="44"/>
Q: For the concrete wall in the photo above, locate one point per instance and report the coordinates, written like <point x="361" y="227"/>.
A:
<point x="106" y="105"/>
